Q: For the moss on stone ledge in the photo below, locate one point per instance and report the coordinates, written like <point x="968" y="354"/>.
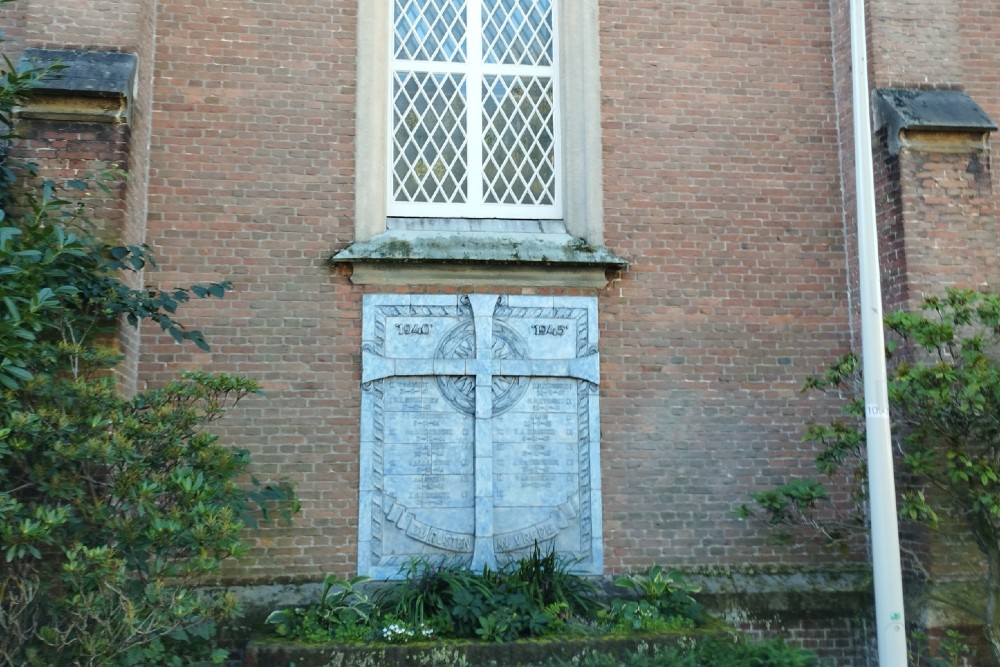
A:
<point x="454" y="653"/>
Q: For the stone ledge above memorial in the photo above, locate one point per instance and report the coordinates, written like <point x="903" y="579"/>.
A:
<point x="85" y="86"/>
<point x="462" y="257"/>
<point x="947" y="120"/>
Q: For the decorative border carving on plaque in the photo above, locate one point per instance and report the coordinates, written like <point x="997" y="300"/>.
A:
<point x="453" y="473"/>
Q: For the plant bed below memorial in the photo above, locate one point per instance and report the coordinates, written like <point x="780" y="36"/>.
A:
<point x="532" y="612"/>
<point x="455" y="653"/>
<point x="671" y="649"/>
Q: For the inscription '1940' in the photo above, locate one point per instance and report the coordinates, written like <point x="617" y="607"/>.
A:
<point x="413" y="329"/>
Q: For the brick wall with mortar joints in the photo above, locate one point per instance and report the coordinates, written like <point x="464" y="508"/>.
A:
<point x="943" y="45"/>
<point x="841" y="641"/>
<point x="721" y="187"/>
<point x="691" y="199"/>
<point x="252" y="181"/>
<point x="948" y="200"/>
<point x="13" y="23"/>
<point x="891" y="232"/>
<point x="916" y="43"/>
<point x="237" y="126"/>
<point x="950" y="221"/>
<point x="724" y="301"/>
<point x="840" y="25"/>
<point x="979" y="25"/>
<point x="95" y="24"/>
<point x="69" y="150"/>
<point x="140" y="124"/>
<point x="66" y="150"/>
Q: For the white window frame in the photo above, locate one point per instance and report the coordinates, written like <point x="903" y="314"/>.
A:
<point x="578" y="83"/>
<point x="475" y="72"/>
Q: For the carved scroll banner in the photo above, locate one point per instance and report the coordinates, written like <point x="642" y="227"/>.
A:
<point x="479" y="431"/>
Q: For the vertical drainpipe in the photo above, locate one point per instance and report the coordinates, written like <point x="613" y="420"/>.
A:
<point x="889" y="619"/>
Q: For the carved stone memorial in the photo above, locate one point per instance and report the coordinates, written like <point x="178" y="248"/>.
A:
<point x="479" y="431"/>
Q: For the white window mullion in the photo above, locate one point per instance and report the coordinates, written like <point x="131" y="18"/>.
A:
<point x="475" y="103"/>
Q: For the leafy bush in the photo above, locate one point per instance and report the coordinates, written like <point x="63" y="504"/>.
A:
<point x="664" y="602"/>
<point x="342" y="613"/>
<point x="643" y="616"/>
<point x="951" y="650"/>
<point x="546" y="581"/>
<point x="458" y="602"/>
<point x="532" y="596"/>
<point x="113" y="509"/>
<point x="528" y="597"/>
<point x="944" y="398"/>
<point x="449" y="599"/>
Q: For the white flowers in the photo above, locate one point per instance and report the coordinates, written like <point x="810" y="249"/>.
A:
<point x="400" y="633"/>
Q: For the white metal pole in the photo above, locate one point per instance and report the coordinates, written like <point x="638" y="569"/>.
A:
<point x="889" y="620"/>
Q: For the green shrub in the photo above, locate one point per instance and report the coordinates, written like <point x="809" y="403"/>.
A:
<point x="943" y="385"/>
<point x="530" y="597"/>
<point x="113" y="509"/>
<point x="664" y="602"/>
<point x="643" y="616"/>
<point x="546" y="581"/>
<point x="342" y="613"/>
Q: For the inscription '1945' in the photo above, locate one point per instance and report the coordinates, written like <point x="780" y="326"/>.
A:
<point x="549" y="329"/>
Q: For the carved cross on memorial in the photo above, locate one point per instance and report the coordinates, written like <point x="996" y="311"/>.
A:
<point x="479" y="433"/>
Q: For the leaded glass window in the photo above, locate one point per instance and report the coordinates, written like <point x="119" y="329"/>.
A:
<point x="474" y="127"/>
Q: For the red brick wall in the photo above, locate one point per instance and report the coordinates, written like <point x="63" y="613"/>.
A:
<point x="889" y="220"/>
<point x="92" y="24"/>
<point x="839" y="641"/>
<point x="942" y="230"/>
<point x="937" y="206"/>
<point x="64" y="150"/>
<point x="252" y="182"/>
<point x="916" y="43"/>
<point x="722" y="188"/>
<point x="949" y="216"/>
<point x="726" y="202"/>
<point x="137" y="166"/>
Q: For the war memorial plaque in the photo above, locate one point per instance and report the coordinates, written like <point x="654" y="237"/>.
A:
<point x="479" y="431"/>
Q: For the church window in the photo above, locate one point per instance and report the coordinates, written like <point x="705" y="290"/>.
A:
<point x="478" y="122"/>
<point x="474" y="109"/>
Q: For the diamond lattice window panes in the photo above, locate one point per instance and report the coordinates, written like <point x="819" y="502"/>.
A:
<point x="473" y="103"/>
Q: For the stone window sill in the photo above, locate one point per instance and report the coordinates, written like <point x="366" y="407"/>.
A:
<point x="478" y="258"/>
